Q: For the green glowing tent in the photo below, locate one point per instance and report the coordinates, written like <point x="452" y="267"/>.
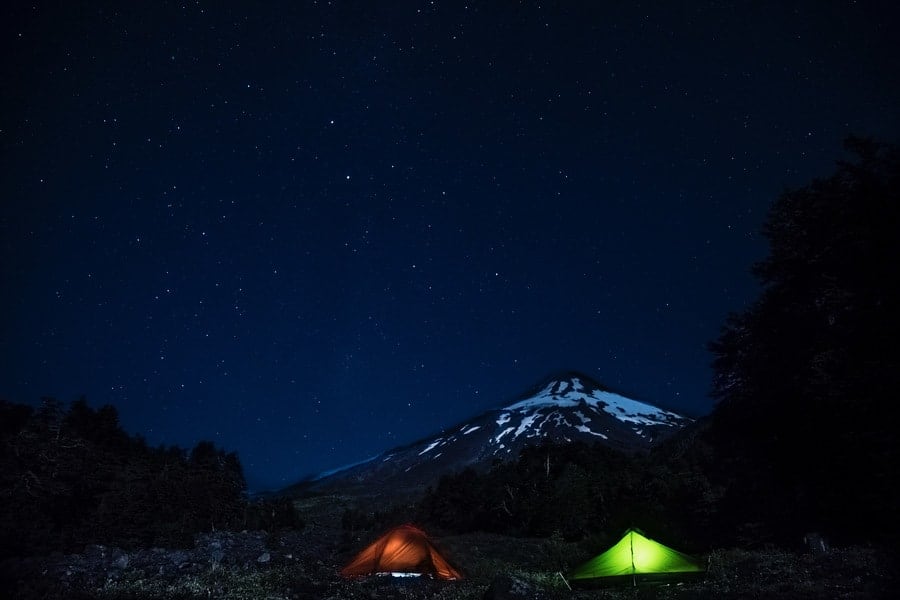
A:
<point x="636" y="558"/>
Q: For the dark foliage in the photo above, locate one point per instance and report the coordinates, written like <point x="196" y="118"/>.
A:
<point x="74" y="477"/>
<point x="805" y="376"/>
<point x="272" y="514"/>
<point x="576" y="491"/>
<point x="357" y="521"/>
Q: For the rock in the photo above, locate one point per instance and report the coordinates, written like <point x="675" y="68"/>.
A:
<point x="216" y="556"/>
<point x="816" y="543"/>
<point x="95" y="551"/>
<point x="506" y="587"/>
<point x="264" y="558"/>
<point x="120" y="559"/>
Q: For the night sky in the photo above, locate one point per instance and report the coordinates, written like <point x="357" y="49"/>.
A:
<point x="310" y="232"/>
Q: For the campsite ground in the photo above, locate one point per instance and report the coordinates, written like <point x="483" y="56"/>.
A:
<point x="304" y="564"/>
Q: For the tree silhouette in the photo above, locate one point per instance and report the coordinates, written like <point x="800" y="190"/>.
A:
<point x="805" y="376"/>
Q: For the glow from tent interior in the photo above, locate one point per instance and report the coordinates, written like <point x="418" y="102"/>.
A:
<point x="647" y="557"/>
<point x="636" y="554"/>
<point x="400" y="552"/>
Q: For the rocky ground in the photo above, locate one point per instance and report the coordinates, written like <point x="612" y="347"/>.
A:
<point x="304" y="564"/>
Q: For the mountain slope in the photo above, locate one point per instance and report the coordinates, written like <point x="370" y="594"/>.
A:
<point x="565" y="408"/>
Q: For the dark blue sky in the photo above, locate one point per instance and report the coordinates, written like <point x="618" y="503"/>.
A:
<point x="313" y="231"/>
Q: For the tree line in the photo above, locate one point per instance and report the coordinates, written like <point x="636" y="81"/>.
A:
<point x="72" y="476"/>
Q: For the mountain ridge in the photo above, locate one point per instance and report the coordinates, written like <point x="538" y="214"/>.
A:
<point x="563" y="407"/>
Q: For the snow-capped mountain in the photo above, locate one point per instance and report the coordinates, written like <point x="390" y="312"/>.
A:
<point x="565" y="408"/>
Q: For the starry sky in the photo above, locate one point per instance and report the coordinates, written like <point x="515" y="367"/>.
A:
<point x="312" y="231"/>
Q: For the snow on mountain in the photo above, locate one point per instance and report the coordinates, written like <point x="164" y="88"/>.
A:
<point x="575" y="390"/>
<point x="566" y="408"/>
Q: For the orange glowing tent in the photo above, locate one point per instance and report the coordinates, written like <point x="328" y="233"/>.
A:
<point x="404" y="551"/>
